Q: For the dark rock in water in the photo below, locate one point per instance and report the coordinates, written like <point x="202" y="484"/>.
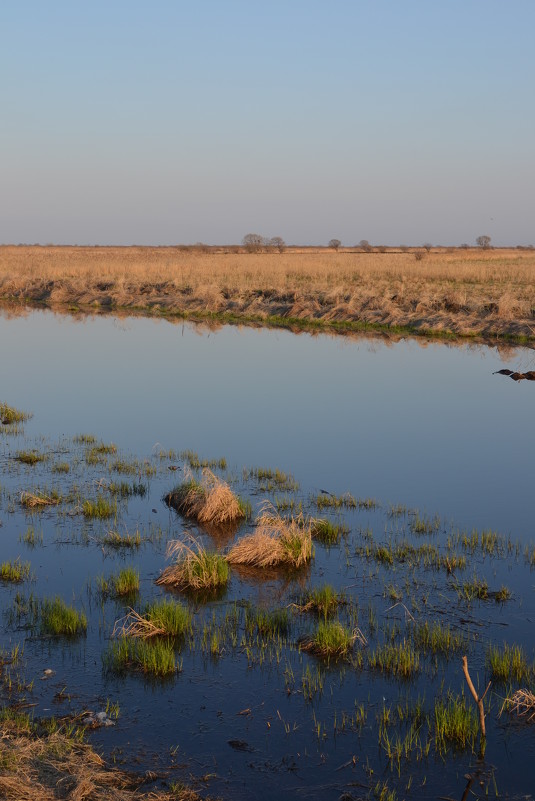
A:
<point x="240" y="745"/>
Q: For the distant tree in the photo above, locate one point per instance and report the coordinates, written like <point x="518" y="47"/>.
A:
<point x="464" y="246"/>
<point x="419" y="255"/>
<point x="334" y="244"/>
<point x="483" y="242"/>
<point x="278" y="243"/>
<point x="253" y="243"/>
<point x="427" y="246"/>
<point x="365" y="246"/>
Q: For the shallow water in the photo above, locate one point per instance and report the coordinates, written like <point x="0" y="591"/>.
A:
<point x="429" y="427"/>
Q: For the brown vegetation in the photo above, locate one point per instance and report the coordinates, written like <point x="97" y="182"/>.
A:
<point x="275" y="541"/>
<point x="210" y="502"/>
<point x="467" y="292"/>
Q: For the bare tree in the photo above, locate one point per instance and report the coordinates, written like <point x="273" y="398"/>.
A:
<point x="278" y="243"/>
<point x="365" y="246"/>
<point x="253" y="243"/>
<point x="483" y="242"/>
<point x="427" y="246"/>
<point x="334" y="244"/>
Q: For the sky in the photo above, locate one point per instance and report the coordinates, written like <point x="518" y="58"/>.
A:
<point x="161" y="122"/>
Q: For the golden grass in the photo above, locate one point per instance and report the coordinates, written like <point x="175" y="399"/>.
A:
<point x="275" y="541"/>
<point x="36" y="499"/>
<point x="211" y="502"/>
<point x="52" y="766"/>
<point x="463" y="291"/>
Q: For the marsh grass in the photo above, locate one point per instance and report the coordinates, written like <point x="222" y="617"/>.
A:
<point x="326" y="532"/>
<point x="425" y="525"/>
<point x="14" y="572"/>
<point x="58" y="619"/>
<point x="196" y="569"/>
<point x="275" y="541"/>
<point x="9" y="416"/>
<point x="61" y="467"/>
<point x="323" y="601"/>
<point x="99" y="509"/>
<point x="474" y="589"/>
<point x="29" y="457"/>
<point x="116" y="540"/>
<point x="331" y="639"/>
<point x="125" y="583"/>
<point x="268" y="623"/>
<point x="151" y="657"/>
<point x="159" y="619"/>
<point x="125" y="490"/>
<point x="211" y="502"/>
<point x="435" y="638"/>
<point x="40" y="499"/>
<point x="196" y="463"/>
<point x="327" y="501"/>
<point x="508" y="663"/>
<point x="455" y="723"/>
<point x="399" y="659"/>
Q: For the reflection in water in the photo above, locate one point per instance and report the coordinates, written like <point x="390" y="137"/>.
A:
<point x="529" y="376"/>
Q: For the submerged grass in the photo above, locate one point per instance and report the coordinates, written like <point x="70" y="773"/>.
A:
<point x="275" y="541"/>
<point x="196" y="569"/>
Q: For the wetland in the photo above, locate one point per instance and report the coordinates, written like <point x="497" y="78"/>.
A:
<point x="154" y="474"/>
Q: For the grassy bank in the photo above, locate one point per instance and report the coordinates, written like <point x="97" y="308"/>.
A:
<point x="446" y="292"/>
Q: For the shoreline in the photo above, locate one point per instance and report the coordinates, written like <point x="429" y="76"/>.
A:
<point x="472" y="297"/>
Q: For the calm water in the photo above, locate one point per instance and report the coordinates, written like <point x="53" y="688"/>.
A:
<point x="427" y="427"/>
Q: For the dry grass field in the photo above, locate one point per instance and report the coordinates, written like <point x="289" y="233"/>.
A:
<point x="472" y="293"/>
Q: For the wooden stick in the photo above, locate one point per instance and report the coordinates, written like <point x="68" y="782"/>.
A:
<point x="477" y="699"/>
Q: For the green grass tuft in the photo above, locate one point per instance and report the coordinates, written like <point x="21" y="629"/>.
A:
<point x="59" y="619"/>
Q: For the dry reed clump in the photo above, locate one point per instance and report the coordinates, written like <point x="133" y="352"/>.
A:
<point x="51" y="766"/>
<point x="35" y="499"/>
<point x="211" y="502"/>
<point x="522" y="703"/>
<point x="196" y="569"/>
<point x="275" y="541"/>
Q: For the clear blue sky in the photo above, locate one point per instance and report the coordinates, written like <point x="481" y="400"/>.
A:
<point x="160" y="122"/>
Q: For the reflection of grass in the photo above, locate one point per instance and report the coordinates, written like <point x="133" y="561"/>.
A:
<point x="196" y="569"/>
<point x="59" y="619"/>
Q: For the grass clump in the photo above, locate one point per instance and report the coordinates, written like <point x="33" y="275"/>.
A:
<point x="113" y="539"/>
<point x="161" y="618"/>
<point x="326" y="532"/>
<point x="29" y="457"/>
<point x="508" y="663"/>
<point x="331" y="639"/>
<point x="399" y="659"/>
<point x="59" y="619"/>
<point x="99" y="509"/>
<point x="211" y="501"/>
<point x="326" y="500"/>
<point x="275" y="541"/>
<point x="267" y="623"/>
<point x="322" y="601"/>
<point x="474" y="589"/>
<point x="125" y="583"/>
<point x="14" y="572"/>
<point x="455" y="723"/>
<point x="61" y="467"/>
<point x="437" y="639"/>
<point x="9" y="416"/>
<point x="153" y="658"/>
<point x="39" y="499"/>
<point x="125" y="490"/>
<point x="196" y="569"/>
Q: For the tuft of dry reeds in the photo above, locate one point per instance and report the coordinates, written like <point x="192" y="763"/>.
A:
<point x="211" y="502"/>
<point x="35" y="499"/>
<point x="275" y="541"/>
<point x="196" y="568"/>
<point x="522" y="703"/>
